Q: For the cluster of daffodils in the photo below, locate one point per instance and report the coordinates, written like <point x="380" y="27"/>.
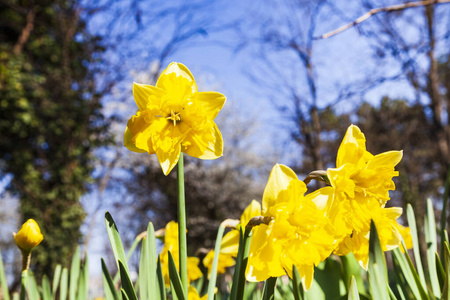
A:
<point x="297" y="228"/>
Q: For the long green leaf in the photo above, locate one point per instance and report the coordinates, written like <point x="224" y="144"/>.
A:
<point x="161" y="283"/>
<point x="56" y="278"/>
<point x="415" y="239"/>
<point x="46" y="291"/>
<point x="32" y="287"/>
<point x="108" y="285"/>
<point x="431" y="240"/>
<point x="213" y="276"/>
<point x="269" y="288"/>
<point x="377" y="267"/>
<point x="127" y="285"/>
<point x="144" y="271"/>
<point x="353" y="290"/>
<point x="297" y="284"/>
<point x="74" y="274"/>
<point x="64" y="284"/>
<point x="83" y="280"/>
<point x="411" y="276"/>
<point x="116" y="242"/>
<point x="3" y="282"/>
<point x="237" y="289"/>
<point x="446" y="290"/>
<point x="175" y="279"/>
<point x="399" y="279"/>
<point x="152" y="264"/>
<point x="443" y="225"/>
<point x="440" y="271"/>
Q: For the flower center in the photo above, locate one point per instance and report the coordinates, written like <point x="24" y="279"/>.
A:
<point x="174" y="116"/>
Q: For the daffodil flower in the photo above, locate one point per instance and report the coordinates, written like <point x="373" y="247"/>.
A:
<point x="299" y="233"/>
<point x="171" y="244"/>
<point x="225" y="261"/>
<point x="360" y="189"/>
<point x="29" y="236"/>
<point x="173" y="117"/>
<point x="193" y="294"/>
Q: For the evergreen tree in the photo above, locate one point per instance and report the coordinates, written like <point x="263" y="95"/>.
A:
<point x="50" y="118"/>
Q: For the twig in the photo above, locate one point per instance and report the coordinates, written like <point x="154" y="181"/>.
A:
<point x="23" y="38"/>
<point x="378" y="10"/>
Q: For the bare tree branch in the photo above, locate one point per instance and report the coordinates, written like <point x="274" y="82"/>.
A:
<point x="374" y="11"/>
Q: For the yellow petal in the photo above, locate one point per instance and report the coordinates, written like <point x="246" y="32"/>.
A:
<point x="193" y="271"/>
<point x="212" y="102"/>
<point x="192" y="293"/>
<point x="352" y="148"/>
<point x="128" y="142"/>
<point x="207" y="144"/>
<point x="147" y="94"/>
<point x="230" y="243"/>
<point x="390" y="158"/>
<point x="279" y="180"/>
<point x="323" y="198"/>
<point x="177" y="78"/>
<point x="252" y="210"/>
<point x="168" y="160"/>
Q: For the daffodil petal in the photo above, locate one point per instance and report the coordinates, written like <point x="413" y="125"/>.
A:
<point x="230" y="243"/>
<point x="352" y="148"/>
<point x="168" y="160"/>
<point x="207" y="144"/>
<point x="212" y="102"/>
<point x="390" y="158"/>
<point x="323" y="198"/>
<point x="252" y="210"/>
<point x="176" y="75"/>
<point x="147" y="94"/>
<point x="279" y="180"/>
<point x="135" y="138"/>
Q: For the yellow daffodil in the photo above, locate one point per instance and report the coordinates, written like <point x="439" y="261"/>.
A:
<point x="193" y="294"/>
<point x="171" y="244"/>
<point x="299" y="232"/>
<point x="360" y="189"/>
<point x="29" y="236"/>
<point x="174" y="117"/>
<point x="225" y="261"/>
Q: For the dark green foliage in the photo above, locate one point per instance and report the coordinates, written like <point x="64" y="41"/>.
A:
<point x="50" y="118"/>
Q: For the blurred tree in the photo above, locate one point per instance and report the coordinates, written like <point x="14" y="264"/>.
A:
<point x="50" y="118"/>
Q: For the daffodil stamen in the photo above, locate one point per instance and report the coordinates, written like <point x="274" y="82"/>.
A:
<point x="175" y="117"/>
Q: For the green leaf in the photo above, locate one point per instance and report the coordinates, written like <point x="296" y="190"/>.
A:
<point x="127" y="285"/>
<point x="269" y="288"/>
<point x="124" y="295"/>
<point x="144" y="271"/>
<point x="74" y="274"/>
<point x="237" y="289"/>
<point x="152" y="264"/>
<point x="56" y="278"/>
<point x="3" y="282"/>
<point x="175" y="279"/>
<point x="32" y="287"/>
<point x="431" y="240"/>
<point x="415" y="239"/>
<point x="161" y="283"/>
<point x="108" y="285"/>
<point x="446" y="290"/>
<point x="353" y="290"/>
<point x="378" y="279"/>
<point x="116" y="242"/>
<point x="213" y="276"/>
<point x="46" y="291"/>
<point x="83" y="280"/>
<point x="64" y="284"/>
<point x="440" y="271"/>
<point x="297" y="284"/>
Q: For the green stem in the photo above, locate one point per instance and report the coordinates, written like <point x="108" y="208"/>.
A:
<point x="182" y="226"/>
<point x="444" y="211"/>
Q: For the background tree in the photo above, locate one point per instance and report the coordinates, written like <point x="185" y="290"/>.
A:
<point x="50" y="118"/>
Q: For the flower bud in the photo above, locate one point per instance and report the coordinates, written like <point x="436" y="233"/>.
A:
<point x="29" y="236"/>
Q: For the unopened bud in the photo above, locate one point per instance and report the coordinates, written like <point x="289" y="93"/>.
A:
<point x="29" y="236"/>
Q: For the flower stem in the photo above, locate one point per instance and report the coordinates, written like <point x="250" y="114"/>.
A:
<point x="182" y="225"/>
<point x="269" y="288"/>
<point x="237" y="289"/>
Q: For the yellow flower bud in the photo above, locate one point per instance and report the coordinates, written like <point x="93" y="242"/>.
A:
<point x="29" y="236"/>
